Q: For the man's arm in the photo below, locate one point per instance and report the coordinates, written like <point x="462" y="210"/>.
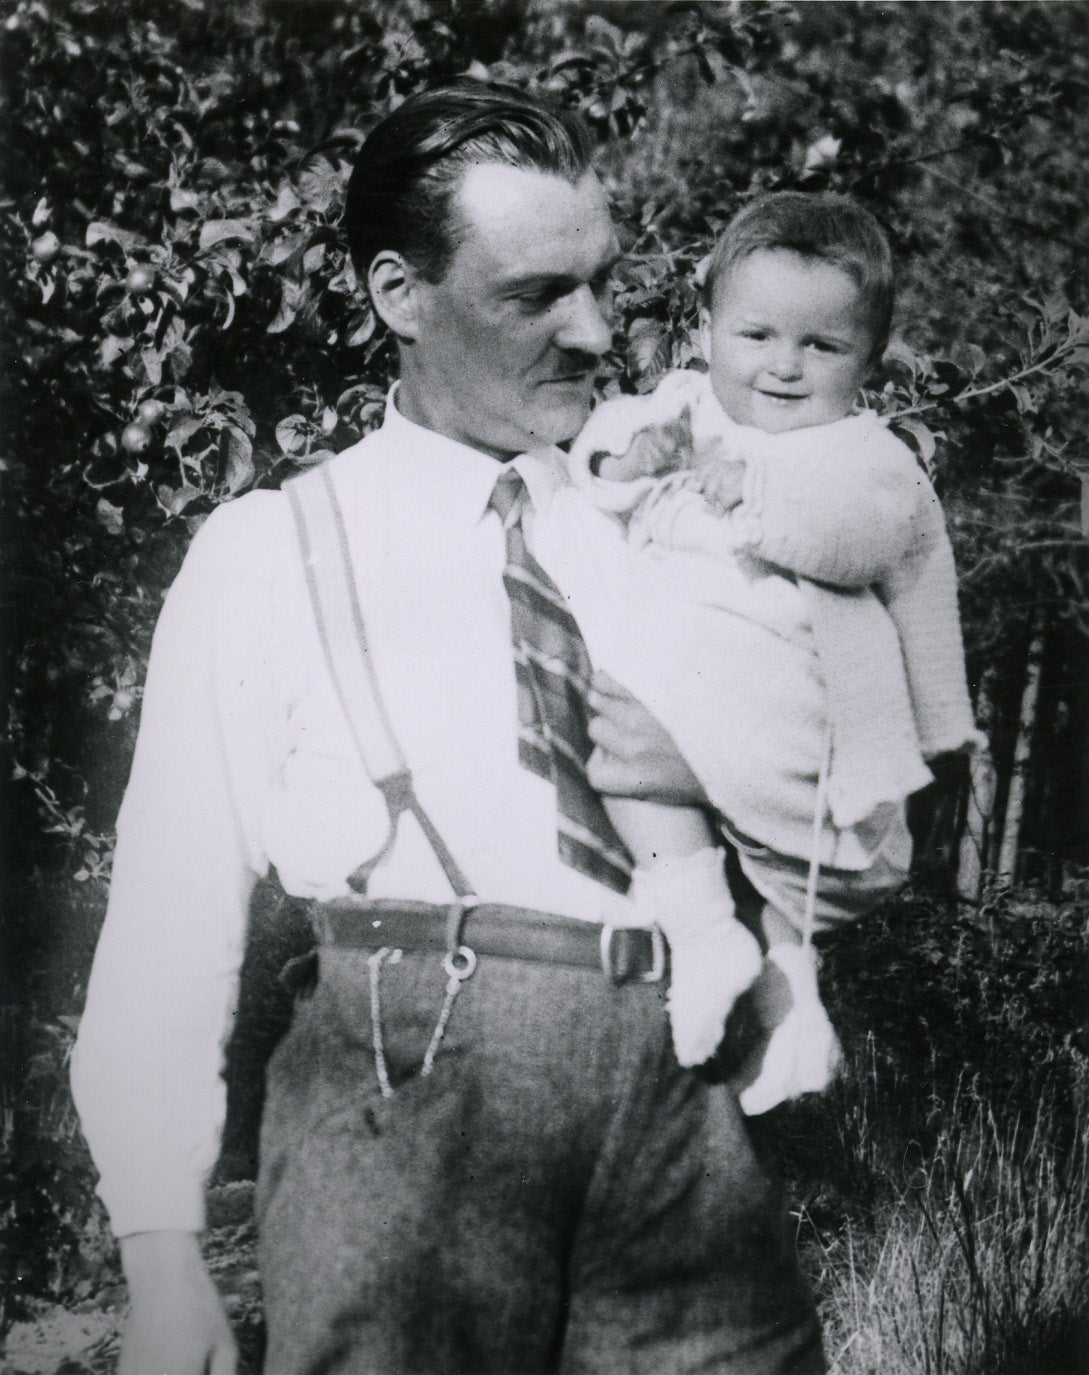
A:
<point x="177" y="1323"/>
<point x="634" y="755"/>
<point x="146" y="1068"/>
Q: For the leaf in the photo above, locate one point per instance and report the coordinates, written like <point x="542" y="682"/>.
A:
<point x="362" y="328"/>
<point x="182" y="432"/>
<point x="105" y="231"/>
<point x="314" y="257"/>
<point x="240" y="469"/>
<point x="181" y="200"/>
<point x="214" y="232"/>
<point x="293" y="434"/>
<point x="286" y="202"/>
<point x="646" y="346"/>
<point x="1023" y="396"/>
<point x="152" y="360"/>
<point x="923" y="436"/>
<point x="112" y="348"/>
<point x="175" y="500"/>
<point x="284" y="247"/>
<point x="291" y="298"/>
<point x="111" y="516"/>
<point x="821" y="153"/>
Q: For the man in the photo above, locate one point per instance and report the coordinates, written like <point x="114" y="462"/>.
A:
<point x="492" y="1165"/>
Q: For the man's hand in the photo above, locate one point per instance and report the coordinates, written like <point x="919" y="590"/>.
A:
<point x="635" y="755"/>
<point x="177" y="1325"/>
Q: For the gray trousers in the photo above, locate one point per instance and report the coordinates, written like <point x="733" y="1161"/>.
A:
<point x="556" y="1196"/>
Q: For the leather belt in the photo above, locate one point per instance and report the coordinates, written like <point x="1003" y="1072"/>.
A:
<point x="492" y="928"/>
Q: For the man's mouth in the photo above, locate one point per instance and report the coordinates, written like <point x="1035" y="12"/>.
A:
<point x="571" y="379"/>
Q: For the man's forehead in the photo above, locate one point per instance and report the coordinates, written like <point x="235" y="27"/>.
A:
<point x="518" y="221"/>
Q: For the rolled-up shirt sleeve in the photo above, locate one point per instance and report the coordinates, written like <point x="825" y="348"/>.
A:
<point x="146" y="1067"/>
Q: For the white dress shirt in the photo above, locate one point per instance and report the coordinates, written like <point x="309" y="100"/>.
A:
<point x="244" y="761"/>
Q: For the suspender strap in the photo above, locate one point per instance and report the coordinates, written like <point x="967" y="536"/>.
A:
<point x="330" y="580"/>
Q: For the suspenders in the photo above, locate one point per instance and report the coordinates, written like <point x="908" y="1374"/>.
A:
<point x="330" y="579"/>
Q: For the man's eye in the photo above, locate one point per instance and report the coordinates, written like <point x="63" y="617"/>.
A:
<point x="542" y="299"/>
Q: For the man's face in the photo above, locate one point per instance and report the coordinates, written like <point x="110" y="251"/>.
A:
<point x="508" y="343"/>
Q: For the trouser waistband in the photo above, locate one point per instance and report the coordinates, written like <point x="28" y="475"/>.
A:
<point x="490" y="928"/>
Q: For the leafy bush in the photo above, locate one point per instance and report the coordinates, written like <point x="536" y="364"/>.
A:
<point x="180" y="324"/>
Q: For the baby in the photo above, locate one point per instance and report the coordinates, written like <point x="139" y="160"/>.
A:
<point x="791" y="618"/>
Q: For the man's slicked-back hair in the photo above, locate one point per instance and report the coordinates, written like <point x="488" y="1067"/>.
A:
<point x="825" y="227"/>
<point x="410" y="166"/>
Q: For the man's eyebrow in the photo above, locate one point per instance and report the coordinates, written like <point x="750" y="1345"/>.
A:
<point x="566" y="280"/>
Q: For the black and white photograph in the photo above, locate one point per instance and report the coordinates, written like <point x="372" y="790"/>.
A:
<point x="545" y="629"/>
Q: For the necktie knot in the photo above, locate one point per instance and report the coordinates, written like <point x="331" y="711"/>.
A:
<point x="509" y="496"/>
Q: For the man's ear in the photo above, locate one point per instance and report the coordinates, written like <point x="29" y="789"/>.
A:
<point x="393" y="288"/>
<point x="705" y="333"/>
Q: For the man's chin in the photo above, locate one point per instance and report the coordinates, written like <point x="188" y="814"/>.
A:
<point x="562" y="416"/>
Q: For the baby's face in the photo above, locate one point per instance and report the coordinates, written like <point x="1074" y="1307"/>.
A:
<point x="787" y="341"/>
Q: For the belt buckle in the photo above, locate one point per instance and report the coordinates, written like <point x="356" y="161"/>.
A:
<point x="655" y="973"/>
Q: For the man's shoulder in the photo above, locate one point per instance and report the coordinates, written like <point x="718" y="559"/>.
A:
<point x="258" y="520"/>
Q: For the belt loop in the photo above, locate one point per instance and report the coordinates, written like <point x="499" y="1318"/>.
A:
<point x="456" y="915"/>
<point x="608" y="931"/>
<point x="656" y="973"/>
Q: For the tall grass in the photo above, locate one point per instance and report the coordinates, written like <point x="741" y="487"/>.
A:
<point x="973" y="1256"/>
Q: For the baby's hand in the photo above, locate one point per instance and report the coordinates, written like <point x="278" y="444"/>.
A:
<point x="722" y="483"/>
<point x="719" y="477"/>
<point x="610" y="430"/>
<point x="652" y="451"/>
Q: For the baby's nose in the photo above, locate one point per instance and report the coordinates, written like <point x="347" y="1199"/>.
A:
<point x="786" y="360"/>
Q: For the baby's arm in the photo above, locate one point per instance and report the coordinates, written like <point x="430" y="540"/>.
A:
<point x="845" y="514"/>
<point x="629" y="441"/>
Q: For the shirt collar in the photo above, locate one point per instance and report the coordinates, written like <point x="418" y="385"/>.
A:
<point x="462" y="477"/>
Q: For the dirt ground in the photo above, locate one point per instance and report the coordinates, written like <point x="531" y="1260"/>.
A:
<point x="83" y="1338"/>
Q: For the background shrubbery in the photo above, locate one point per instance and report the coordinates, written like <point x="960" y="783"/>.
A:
<point x="179" y="323"/>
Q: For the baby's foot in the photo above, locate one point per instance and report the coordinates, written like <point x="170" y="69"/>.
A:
<point x="802" y="1052"/>
<point x="708" y="973"/>
<point x="713" y="958"/>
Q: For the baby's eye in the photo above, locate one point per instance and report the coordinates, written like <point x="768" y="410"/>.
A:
<point x="757" y="334"/>
<point x="824" y="346"/>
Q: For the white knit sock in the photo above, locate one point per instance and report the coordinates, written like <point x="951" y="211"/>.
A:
<point x="713" y="958"/>
<point x="802" y="1052"/>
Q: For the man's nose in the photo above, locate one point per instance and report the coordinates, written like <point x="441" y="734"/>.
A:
<point x="585" y="327"/>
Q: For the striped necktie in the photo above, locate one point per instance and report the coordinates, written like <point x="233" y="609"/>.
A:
<point x="552" y="673"/>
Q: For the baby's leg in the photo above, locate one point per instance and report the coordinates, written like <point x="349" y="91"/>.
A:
<point x="680" y="883"/>
<point x="801" y="1052"/>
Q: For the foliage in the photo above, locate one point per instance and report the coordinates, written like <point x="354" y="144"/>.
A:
<point x="973" y="1261"/>
<point x="180" y="324"/>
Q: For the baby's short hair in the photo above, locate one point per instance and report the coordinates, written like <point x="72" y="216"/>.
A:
<point x="831" y="228"/>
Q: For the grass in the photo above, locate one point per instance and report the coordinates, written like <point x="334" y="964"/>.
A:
<point x="963" y="1250"/>
<point x="942" y="1184"/>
